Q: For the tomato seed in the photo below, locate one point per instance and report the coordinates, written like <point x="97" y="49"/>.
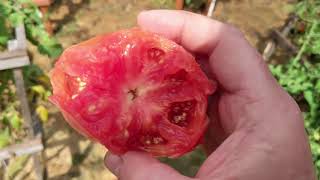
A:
<point x="181" y="112"/>
<point x="158" y="140"/>
<point x="152" y="139"/>
<point x="178" y="77"/>
<point x="156" y="54"/>
<point x="148" y="142"/>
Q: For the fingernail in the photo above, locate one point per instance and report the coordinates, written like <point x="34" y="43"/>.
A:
<point x="113" y="163"/>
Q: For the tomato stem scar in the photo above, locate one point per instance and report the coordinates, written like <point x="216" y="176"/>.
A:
<point x="132" y="94"/>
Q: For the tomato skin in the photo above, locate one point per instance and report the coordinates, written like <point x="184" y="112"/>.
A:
<point x="133" y="90"/>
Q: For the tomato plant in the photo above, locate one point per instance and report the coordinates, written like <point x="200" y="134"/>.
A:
<point x="13" y="13"/>
<point x="133" y="90"/>
<point x="300" y="75"/>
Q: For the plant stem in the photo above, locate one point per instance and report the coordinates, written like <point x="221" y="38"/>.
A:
<point x="306" y="42"/>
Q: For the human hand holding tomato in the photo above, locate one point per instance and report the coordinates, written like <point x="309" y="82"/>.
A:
<point x="256" y="128"/>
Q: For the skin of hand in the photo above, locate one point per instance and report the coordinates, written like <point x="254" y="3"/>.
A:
<point x="256" y="130"/>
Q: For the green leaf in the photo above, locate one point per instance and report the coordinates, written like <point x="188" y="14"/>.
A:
<point x="316" y="135"/>
<point x="31" y="16"/>
<point x="16" y="165"/>
<point x="52" y="51"/>
<point x="189" y="163"/>
<point x="4" y="138"/>
<point x="39" y="89"/>
<point x="188" y="2"/>
<point x="16" y="18"/>
<point x="15" y="121"/>
<point x="315" y="147"/>
<point x="46" y="44"/>
<point x="317" y="86"/>
<point x="42" y="112"/>
<point x="3" y="40"/>
<point x="4" y="32"/>
<point x="308" y="95"/>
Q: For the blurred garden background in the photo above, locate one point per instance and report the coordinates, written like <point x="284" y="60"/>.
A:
<point x="286" y="32"/>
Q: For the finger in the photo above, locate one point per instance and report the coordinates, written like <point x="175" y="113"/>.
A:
<point x="191" y="30"/>
<point x="215" y="134"/>
<point x="137" y="166"/>
<point x="235" y="64"/>
<point x="113" y="163"/>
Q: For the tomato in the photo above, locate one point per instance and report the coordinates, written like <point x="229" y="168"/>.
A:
<point x="133" y="90"/>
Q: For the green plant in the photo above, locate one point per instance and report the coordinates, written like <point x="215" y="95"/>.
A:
<point x="300" y="76"/>
<point x="39" y="89"/>
<point x="15" y="12"/>
<point x="195" y="4"/>
<point x="11" y="122"/>
<point x="189" y="163"/>
<point x="10" y="119"/>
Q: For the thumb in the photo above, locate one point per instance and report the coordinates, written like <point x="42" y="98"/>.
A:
<point x="138" y="165"/>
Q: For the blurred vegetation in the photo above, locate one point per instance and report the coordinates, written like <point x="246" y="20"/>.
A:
<point x="13" y="13"/>
<point x="195" y="5"/>
<point x="189" y="163"/>
<point x="10" y="119"/>
<point x="164" y="4"/>
<point x="300" y="76"/>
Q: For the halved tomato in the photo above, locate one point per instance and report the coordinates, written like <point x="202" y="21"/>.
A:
<point x="133" y="90"/>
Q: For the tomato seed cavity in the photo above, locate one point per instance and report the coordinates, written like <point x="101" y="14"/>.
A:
<point x="181" y="112"/>
<point x="156" y="54"/>
<point x="177" y="77"/>
<point x="75" y="85"/>
<point x="152" y="139"/>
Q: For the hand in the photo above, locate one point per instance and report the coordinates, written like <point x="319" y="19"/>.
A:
<point x="256" y="128"/>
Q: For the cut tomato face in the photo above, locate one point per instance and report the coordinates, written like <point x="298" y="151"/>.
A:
<point x="133" y="90"/>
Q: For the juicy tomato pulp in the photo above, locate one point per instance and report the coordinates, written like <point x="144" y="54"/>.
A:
<point x="133" y="90"/>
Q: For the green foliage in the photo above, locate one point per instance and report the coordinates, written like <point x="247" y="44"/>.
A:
<point x="300" y="76"/>
<point x="195" y="5"/>
<point x="4" y="33"/>
<point x="15" y="12"/>
<point x="39" y="90"/>
<point x="10" y="119"/>
<point x="163" y="4"/>
<point x="188" y="164"/>
<point x="4" y="137"/>
<point x="11" y="122"/>
<point x="43" y="113"/>
<point x="16" y="165"/>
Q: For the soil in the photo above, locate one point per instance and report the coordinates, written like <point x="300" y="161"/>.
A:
<point x="67" y="154"/>
<point x="255" y="18"/>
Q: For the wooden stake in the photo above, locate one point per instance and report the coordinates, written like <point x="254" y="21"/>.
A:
<point x="280" y="36"/>
<point x="211" y="7"/>
<point x="27" y="147"/>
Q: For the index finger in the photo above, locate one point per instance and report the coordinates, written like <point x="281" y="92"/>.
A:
<point x="235" y="64"/>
